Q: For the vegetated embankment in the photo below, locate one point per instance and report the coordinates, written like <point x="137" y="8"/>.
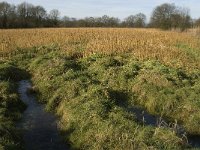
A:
<point x="11" y="107"/>
<point x="92" y="96"/>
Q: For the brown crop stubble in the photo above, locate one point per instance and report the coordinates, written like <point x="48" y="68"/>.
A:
<point x="141" y="43"/>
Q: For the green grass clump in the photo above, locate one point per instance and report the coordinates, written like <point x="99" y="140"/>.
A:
<point x="171" y="93"/>
<point x="10" y="72"/>
<point x="10" y="107"/>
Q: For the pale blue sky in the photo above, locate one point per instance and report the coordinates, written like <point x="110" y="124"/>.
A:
<point x="116" y="8"/>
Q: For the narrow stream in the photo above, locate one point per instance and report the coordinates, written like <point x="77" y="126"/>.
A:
<point x="149" y="119"/>
<point x="39" y="127"/>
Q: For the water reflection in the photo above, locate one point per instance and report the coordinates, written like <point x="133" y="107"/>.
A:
<point x="149" y="119"/>
<point x="40" y="127"/>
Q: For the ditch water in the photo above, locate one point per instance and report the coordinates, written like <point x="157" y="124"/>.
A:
<point x="40" y="131"/>
<point x="149" y="119"/>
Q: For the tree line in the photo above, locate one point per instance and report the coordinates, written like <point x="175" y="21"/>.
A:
<point x="26" y="15"/>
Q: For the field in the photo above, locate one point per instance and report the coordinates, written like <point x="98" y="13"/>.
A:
<point x="170" y="48"/>
<point x="92" y="78"/>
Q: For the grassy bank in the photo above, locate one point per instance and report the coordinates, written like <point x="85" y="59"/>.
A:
<point x="10" y="107"/>
<point x="92" y="96"/>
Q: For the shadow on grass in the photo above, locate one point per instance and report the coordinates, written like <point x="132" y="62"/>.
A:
<point x="145" y="118"/>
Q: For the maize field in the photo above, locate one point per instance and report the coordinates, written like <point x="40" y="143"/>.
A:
<point x="143" y="44"/>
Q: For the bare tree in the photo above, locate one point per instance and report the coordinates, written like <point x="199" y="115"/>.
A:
<point x="25" y="15"/>
<point x="54" y="16"/>
<point x="5" y="10"/>
<point x="197" y="22"/>
<point x="129" y="21"/>
<point x="140" y="20"/>
<point x="161" y="16"/>
<point x="39" y="14"/>
<point x="167" y="16"/>
<point x="137" y="21"/>
<point x="185" y="19"/>
<point x="24" y="12"/>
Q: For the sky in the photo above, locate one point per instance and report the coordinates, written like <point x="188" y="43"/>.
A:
<point x="116" y="8"/>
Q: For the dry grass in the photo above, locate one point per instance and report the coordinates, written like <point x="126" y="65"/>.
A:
<point x="142" y="43"/>
<point x="195" y="31"/>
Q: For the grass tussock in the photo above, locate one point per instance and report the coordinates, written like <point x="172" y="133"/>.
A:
<point x="10" y="107"/>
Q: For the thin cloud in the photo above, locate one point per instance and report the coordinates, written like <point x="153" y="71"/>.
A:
<point x="117" y="8"/>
